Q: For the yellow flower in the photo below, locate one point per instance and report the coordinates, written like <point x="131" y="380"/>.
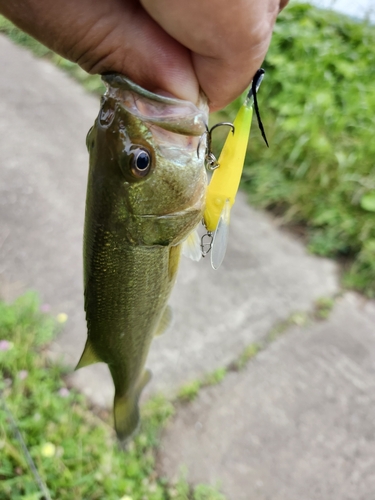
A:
<point x="48" y="450"/>
<point x="62" y="317"/>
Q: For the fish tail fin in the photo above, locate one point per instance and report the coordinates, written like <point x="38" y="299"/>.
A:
<point x="126" y="410"/>
<point x="126" y="414"/>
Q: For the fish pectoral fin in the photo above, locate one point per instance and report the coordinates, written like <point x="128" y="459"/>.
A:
<point x="88" y="357"/>
<point x="165" y="321"/>
<point x="191" y="247"/>
<point x="126" y="410"/>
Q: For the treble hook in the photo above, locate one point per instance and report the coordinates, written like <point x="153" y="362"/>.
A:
<point x="206" y="243"/>
<point x="210" y="158"/>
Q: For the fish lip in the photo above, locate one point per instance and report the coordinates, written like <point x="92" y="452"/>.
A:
<point x="120" y="81"/>
<point x="190" y="120"/>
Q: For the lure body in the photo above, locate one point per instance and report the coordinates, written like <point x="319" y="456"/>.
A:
<point x="222" y="190"/>
<point x="226" y="178"/>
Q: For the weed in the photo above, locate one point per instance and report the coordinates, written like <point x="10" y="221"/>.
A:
<point x="323" y="307"/>
<point x="190" y="390"/>
<point x="248" y="353"/>
<point x="182" y="491"/>
<point x="204" y="492"/>
<point x="298" y="318"/>
<point x="215" y="377"/>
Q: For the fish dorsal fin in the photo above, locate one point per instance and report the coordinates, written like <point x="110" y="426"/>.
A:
<point x="191" y="247"/>
<point x="165" y="321"/>
<point x="88" y="356"/>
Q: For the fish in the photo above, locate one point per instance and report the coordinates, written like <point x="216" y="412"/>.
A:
<point x="225" y="180"/>
<point x="145" y="196"/>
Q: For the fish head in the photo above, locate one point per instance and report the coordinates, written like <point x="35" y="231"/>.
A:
<point x="151" y="151"/>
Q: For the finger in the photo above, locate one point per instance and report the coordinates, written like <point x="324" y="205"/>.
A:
<point x="223" y="80"/>
<point x="140" y="49"/>
<point x="228" y="40"/>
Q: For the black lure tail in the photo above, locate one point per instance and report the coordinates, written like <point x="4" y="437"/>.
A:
<point x="257" y="80"/>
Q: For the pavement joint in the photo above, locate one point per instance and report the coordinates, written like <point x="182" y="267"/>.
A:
<point x="319" y="312"/>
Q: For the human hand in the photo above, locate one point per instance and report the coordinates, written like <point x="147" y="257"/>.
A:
<point x="170" y="46"/>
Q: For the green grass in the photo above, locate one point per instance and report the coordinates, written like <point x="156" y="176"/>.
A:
<point x="321" y="310"/>
<point x="189" y="391"/>
<point x="247" y="354"/>
<point x="323" y="307"/>
<point x="75" y="451"/>
<point x="318" y="107"/>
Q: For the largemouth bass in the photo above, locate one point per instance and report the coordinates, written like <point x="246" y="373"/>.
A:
<point x="145" y="195"/>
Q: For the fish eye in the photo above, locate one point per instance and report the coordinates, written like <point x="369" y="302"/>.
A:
<point x="141" y="163"/>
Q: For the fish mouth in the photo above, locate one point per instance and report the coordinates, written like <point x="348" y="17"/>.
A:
<point x="169" y="113"/>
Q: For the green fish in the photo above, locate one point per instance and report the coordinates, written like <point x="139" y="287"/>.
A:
<point x="145" y="196"/>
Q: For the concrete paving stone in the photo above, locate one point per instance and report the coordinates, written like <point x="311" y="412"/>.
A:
<point x="44" y="118"/>
<point x="297" y="423"/>
<point x="267" y="274"/>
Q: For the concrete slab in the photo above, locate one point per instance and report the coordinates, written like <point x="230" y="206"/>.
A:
<point x="265" y="277"/>
<point x="44" y="118"/>
<point x="297" y="423"/>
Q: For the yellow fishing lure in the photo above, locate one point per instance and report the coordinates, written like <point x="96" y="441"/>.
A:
<point x="223" y="187"/>
<point x="226" y="178"/>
